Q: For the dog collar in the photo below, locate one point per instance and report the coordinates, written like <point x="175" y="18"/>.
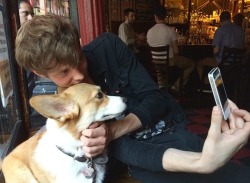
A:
<point x="82" y="159"/>
<point x="88" y="170"/>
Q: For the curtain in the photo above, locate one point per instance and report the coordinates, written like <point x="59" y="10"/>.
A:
<point x="91" y="19"/>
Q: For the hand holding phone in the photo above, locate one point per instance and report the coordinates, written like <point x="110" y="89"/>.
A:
<point x="219" y="92"/>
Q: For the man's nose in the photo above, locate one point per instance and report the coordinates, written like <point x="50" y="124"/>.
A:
<point x="29" y="17"/>
<point x="78" y="75"/>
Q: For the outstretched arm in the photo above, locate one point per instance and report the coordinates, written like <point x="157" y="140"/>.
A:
<point x="223" y="141"/>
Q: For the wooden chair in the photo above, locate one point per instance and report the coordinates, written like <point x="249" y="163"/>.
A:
<point x="166" y="74"/>
<point x="232" y="69"/>
<point x="232" y="57"/>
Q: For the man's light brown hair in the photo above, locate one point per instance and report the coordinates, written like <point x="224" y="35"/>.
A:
<point x="47" y="41"/>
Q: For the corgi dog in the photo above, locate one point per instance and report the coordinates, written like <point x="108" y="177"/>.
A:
<point x="55" y="154"/>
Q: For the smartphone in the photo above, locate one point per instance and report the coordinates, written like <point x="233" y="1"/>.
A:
<point x="219" y="92"/>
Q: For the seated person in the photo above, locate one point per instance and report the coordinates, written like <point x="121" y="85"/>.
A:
<point x="151" y="138"/>
<point x="229" y="35"/>
<point x="160" y="35"/>
<point x="238" y="19"/>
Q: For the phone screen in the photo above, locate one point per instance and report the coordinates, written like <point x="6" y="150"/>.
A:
<point x="221" y="91"/>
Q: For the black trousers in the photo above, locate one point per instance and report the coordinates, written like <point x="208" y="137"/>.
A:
<point x="144" y="159"/>
<point x="230" y="173"/>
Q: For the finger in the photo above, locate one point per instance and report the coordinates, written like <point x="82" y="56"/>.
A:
<point x="216" y="122"/>
<point x="247" y="128"/>
<point x="243" y="134"/>
<point x="242" y="113"/>
<point x="232" y="105"/>
<point x="240" y="117"/>
<point x="90" y="142"/>
<point x="224" y="126"/>
<point x="95" y="124"/>
<point x="93" y="151"/>
<point x="232" y="119"/>
<point x="93" y="133"/>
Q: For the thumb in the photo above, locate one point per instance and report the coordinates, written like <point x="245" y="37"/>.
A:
<point x="216" y="121"/>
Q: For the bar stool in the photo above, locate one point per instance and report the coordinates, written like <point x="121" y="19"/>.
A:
<point x="166" y="74"/>
<point x="232" y="70"/>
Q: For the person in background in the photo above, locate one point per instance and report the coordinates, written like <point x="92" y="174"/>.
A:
<point x="126" y="30"/>
<point x="238" y="19"/>
<point x="127" y="34"/>
<point x="228" y="34"/>
<point x="160" y="35"/>
<point x="136" y="41"/>
<point x="151" y="138"/>
<point x="25" y="11"/>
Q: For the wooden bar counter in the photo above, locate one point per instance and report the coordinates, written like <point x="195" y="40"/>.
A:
<point x="196" y="52"/>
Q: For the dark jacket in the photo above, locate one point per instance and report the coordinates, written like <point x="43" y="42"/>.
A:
<point x="114" y="67"/>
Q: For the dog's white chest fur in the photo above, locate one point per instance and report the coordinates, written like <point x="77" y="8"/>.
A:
<point x="62" y="167"/>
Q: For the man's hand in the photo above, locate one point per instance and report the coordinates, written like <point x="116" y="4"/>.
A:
<point x="95" y="139"/>
<point x="223" y="141"/>
<point x="237" y="119"/>
<point x="224" y="138"/>
<point x="99" y="134"/>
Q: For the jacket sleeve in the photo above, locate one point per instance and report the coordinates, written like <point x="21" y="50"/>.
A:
<point x="146" y="100"/>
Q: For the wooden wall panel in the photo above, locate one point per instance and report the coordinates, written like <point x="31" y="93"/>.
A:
<point x="116" y="8"/>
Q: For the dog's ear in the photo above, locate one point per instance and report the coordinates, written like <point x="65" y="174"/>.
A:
<point x="55" y="107"/>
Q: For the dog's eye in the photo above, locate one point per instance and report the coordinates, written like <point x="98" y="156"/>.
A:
<point x="99" y="95"/>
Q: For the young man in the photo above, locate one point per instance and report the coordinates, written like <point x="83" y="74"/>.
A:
<point x="162" y="149"/>
<point x="127" y="34"/>
<point x="126" y="31"/>
<point x="25" y="11"/>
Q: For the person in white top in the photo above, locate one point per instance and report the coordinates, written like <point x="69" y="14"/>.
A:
<point x="127" y="34"/>
<point x="126" y="31"/>
<point x="160" y="35"/>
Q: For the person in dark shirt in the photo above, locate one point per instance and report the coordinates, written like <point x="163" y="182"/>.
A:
<point x="238" y="19"/>
<point x="151" y="138"/>
<point x="228" y="34"/>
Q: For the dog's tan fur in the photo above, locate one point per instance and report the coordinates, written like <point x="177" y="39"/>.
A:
<point x="38" y="159"/>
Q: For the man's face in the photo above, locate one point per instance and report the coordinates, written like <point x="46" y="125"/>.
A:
<point x="25" y="12"/>
<point x="130" y="18"/>
<point x="65" y="75"/>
